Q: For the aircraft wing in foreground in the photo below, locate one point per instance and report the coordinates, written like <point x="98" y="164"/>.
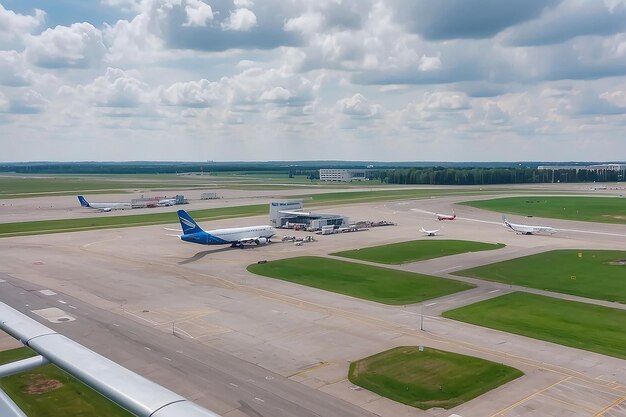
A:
<point x="429" y="232"/>
<point x="235" y="236"/>
<point x="527" y="229"/>
<point x="133" y="392"/>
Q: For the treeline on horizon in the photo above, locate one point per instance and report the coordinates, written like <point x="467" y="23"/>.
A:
<point x="452" y="173"/>
<point x="484" y="176"/>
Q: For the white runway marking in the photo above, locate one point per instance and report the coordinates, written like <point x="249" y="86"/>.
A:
<point x="62" y="302"/>
<point x="147" y="348"/>
<point x="47" y="292"/>
<point x="492" y="291"/>
<point x="3" y="280"/>
<point x="234" y="385"/>
<point x="259" y="400"/>
<point x="430" y="304"/>
<point x="154" y="323"/>
<point x="167" y="359"/>
<point x="71" y="306"/>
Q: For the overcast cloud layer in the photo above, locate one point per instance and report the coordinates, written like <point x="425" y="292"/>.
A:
<point x="313" y="79"/>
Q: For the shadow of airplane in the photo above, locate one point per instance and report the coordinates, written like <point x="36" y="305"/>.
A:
<point x="204" y="253"/>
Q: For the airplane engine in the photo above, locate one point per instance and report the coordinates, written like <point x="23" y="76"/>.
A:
<point x="261" y="241"/>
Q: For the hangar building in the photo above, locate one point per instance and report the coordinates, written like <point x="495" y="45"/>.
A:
<point x="290" y="213"/>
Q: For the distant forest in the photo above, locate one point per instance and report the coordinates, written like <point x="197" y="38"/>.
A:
<point x="433" y="173"/>
<point x="480" y="176"/>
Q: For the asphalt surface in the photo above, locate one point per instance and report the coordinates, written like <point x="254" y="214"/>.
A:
<point x="208" y="376"/>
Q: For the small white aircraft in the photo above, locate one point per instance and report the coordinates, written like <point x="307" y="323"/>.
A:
<point x="166" y="202"/>
<point x="103" y="206"/>
<point x="446" y="216"/>
<point x="429" y="232"/>
<point x="526" y="229"/>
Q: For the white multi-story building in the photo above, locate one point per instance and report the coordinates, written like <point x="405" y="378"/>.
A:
<point x="343" y="175"/>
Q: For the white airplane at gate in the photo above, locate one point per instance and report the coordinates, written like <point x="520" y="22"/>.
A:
<point x="526" y="229"/>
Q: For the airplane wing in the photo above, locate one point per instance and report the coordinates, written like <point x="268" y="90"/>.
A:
<point x="135" y="393"/>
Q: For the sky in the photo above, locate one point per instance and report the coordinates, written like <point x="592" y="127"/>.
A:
<point x="252" y="80"/>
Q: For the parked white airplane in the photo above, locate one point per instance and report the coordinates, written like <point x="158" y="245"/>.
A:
<point x="166" y="202"/>
<point x="429" y="232"/>
<point x="235" y="236"/>
<point x="103" y="206"/>
<point x="526" y="229"/>
<point x="446" y="216"/>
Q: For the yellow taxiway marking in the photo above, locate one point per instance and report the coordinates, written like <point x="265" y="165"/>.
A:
<point x="583" y="407"/>
<point x="608" y="407"/>
<point x="525" y="399"/>
<point x="311" y="369"/>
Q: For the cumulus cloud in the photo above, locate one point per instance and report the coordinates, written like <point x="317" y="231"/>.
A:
<point x="116" y="88"/>
<point x="198" y="13"/>
<point x="131" y="41"/>
<point x="195" y="25"/>
<point x="14" y="25"/>
<point x="358" y="106"/>
<point x="445" y="101"/>
<point x="79" y="46"/>
<point x="13" y="70"/>
<point x="201" y="93"/>
<point x="240" y="20"/>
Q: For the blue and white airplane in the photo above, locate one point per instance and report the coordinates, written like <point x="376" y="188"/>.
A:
<point x="103" y="206"/>
<point x="235" y="236"/>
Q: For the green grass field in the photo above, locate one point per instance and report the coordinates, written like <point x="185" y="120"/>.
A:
<point x="47" y="391"/>
<point x="431" y="378"/>
<point x="579" y="325"/>
<point x="382" y="285"/>
<point x="352" y="197"/>
<point x="591" y="209"/>
<point x="597" y="274"/>
<point x="416" y="250"/>
<point x="47" y="185"/>
<point x="107" y="222"/>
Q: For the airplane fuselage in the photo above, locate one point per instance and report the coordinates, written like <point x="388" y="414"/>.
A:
<point x="232" y="236"/>
<point x="529" y="229"/>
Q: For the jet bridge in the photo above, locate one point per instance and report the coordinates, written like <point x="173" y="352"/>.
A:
<point x="131" y="391"/>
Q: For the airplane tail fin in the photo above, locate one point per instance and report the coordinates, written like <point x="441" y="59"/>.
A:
<point x="187" y="223"/>
<point x="453" y="214"/>
<point x="83" y="201"/>
<point x="422" y="230"/>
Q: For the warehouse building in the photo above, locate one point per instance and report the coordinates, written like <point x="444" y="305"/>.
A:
<point x="287" y="214"/>
<point x="343" y="175"/>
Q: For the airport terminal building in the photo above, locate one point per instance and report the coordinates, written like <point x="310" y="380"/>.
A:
<point x="287" y="214"/>
<point x="343" y="175"/>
